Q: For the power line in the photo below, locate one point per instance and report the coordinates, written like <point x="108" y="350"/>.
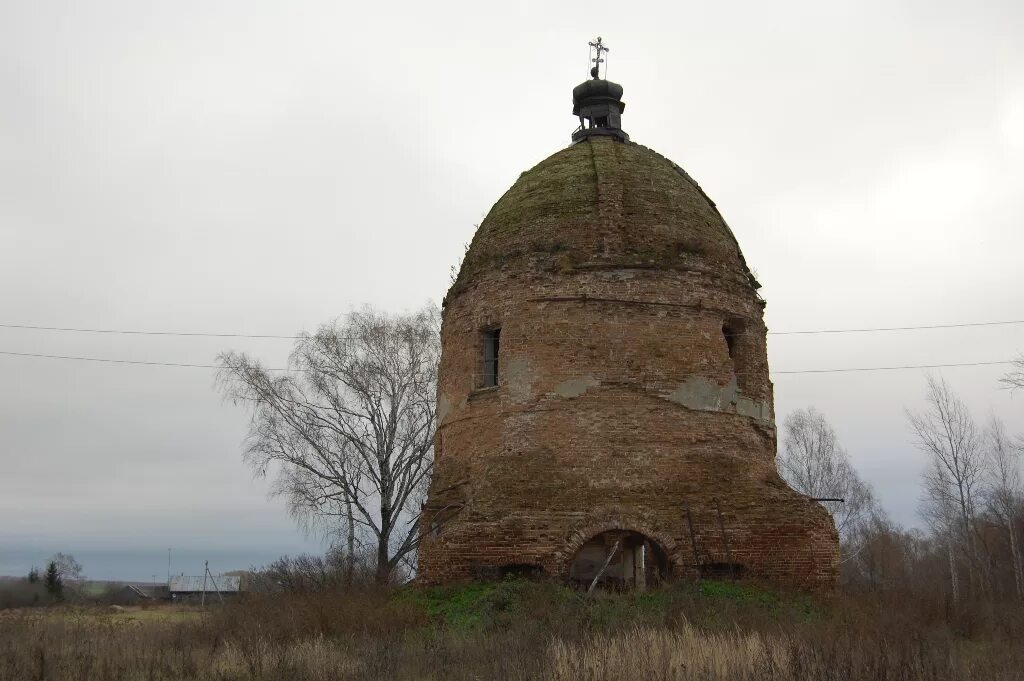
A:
<point x="144" y="333"/>
<point x="131" y="332"/>
<point x="112" y="361"/>
<point x="893" y="368"/>
<point x="215" y="366"/>
<point x="896" y="328"/>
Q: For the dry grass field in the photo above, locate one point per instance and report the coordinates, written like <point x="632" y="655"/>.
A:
<point x="517" y="630"/>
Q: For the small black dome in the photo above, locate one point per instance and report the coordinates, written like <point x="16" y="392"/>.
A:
<point x="596" y="91"/>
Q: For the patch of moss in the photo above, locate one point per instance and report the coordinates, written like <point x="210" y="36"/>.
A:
<point x="518" y="602"/>
<point x="796" y="605"/>
<point x="736" y="591"/>
<point x="463" y="607"/>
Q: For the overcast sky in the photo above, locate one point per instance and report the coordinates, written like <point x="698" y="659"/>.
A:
<point x="257" y="167"/>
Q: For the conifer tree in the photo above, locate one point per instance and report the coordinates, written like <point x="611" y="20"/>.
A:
<point x="54" y="581"/>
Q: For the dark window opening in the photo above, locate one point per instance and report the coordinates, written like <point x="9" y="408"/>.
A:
<point x="746" y="354"/>
<point x="497" y="573"/>
<point x="731" y="333"/>
<point x="722" y="570"/>
<point x="522" y="571"/>
<point x="492" y="340"/>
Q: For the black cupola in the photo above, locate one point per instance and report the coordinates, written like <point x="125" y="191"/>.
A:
<point x="598" y="102"/>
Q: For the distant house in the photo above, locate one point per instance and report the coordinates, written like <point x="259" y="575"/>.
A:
<point x="193" y="587"/>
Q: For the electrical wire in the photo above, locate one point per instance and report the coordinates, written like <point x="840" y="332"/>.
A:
<point x="894" y="368"/>
<point x="896" y="328"/>
<point x="792" y="371"/>
<point x="132" y="332"/>
<point x="112" y="361"/>
<point x="144" y="333"/>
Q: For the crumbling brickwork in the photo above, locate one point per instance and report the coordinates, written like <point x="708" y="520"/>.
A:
<point x="632" y="384"/>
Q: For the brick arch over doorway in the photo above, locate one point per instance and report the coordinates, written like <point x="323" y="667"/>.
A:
<point x="582" y="534"/>
<point x="619" y="560"/>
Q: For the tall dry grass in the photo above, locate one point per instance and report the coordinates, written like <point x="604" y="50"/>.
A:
<point x="512" y="631"/>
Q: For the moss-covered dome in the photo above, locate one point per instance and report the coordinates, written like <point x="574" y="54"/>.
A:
<point x="604" y="203"/>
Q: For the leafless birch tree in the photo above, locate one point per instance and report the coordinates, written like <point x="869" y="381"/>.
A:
<point x="349" y="429"/>
<point x="938" y="508"/>
<point x="1004" y="491"/>
<point x="814" y="463"/>
<point x="948" y="434"/>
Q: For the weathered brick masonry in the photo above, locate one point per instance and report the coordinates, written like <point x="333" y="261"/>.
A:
<point x="632" y="383"/>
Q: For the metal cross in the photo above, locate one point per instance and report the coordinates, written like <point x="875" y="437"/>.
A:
<point x="598" y="47"/>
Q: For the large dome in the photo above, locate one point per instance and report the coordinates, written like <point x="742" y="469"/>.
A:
<point x="606" y="203"/>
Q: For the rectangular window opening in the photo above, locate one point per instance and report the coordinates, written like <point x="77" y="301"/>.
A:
<point x="492" y="340"/>
<point x="730" y="332"/>
<point x="740" y="348"/>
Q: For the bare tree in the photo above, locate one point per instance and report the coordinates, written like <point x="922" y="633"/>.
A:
<point x="814" y="464"/>
<point x="68" y="568"/>
<point x="886" y="555"/>
<point x="1004" y="491"/>
<point x="350" y="428"/>
<point x="938" y="507"/>
<point x="63" y="576"/>
<point x="1015" y="378"/>
<point x="948" y="434"/>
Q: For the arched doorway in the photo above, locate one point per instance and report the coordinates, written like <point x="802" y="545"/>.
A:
<point x="619" y="560"/>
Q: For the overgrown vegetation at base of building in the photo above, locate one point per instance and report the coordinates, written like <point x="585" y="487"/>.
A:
<point x="521" y="630"/>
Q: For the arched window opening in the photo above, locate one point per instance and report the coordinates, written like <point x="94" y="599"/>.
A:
<point x="619" y="560"/>
<point x="745" y="354"/>
<point x="731" y="331"/>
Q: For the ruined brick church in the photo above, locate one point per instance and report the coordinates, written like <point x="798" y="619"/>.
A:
<point x="604" y="406"/>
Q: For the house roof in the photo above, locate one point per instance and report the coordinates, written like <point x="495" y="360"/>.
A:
<point x="212" y="584"/>
<point x="137" y="591"/>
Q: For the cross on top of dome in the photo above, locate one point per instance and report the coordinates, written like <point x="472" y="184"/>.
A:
<point x="597" y="47"/>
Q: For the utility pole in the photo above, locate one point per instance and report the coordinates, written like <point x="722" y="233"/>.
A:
<point x="168" y="568"/>
<point x="206" y="571"/>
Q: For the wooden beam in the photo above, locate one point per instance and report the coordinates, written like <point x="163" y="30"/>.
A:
<point x="605" y="566"/>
